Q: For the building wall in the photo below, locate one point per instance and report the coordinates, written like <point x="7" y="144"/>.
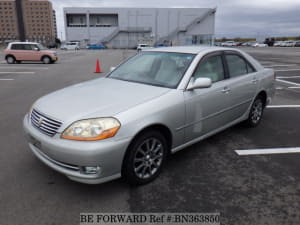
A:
<point x="8" y="21"/>
<point x="158" y="23"/>
<point x="33" y="20"/>
<point x="54" y="23"/>
<point x="38" y="20"/>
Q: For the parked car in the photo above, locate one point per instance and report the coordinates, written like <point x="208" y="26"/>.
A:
<point x="70" y="46"/>
<point x="158" y="102"/>
<point x="290" y="44"/>
<point x="141" y="47"/>
<point x="217" y="43"/>
<point x="248" y="43"/>
<point x="287" y="44"/>
<point x="96" y="46"/>
<point x="229" y="44"/>
<point x="297" y="44"/>
<point x="16" y="52"/>
<point x="277" y="43"/>
<point x="257" y="44"/>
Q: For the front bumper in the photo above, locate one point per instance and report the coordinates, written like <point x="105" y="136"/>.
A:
<point x="54" y="58"/>
<point x="70" y="157"/>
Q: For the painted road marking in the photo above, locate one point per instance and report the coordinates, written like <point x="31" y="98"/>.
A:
<point x="282" y="106"/>
<point x="17" y="72"/>
<point x="285" y="65"/>
<point x="6" y="79"/>
<point x="288" y="77"/>
<point x="24" y="67"/>
<point x="267" y="151"/>
<point x="293" y="87"/>
<point x="287" y="70"/>
<point x="287" y="82"/>
<point x="279" y="88"/>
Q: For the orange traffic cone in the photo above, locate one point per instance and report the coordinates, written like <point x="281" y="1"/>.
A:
<point x="98" y="68"/>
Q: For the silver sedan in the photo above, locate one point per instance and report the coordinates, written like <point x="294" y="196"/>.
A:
<point x="156" y="103"/>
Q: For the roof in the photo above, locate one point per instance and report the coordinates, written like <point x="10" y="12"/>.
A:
<point x="34" y="43"/>
<point x="187" y="49"/>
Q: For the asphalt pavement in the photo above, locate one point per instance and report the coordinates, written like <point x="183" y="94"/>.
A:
<point x="206" y="177"/>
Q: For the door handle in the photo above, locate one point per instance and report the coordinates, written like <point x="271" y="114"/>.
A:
<point x="254" y="80"/>
<point x="226" y="90"/>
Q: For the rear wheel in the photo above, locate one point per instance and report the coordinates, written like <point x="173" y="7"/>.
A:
<point x="145" y="158"/>
<point x="256" y="112"/>
<point x="46" y="60"/>
<point x="10" y="59"/>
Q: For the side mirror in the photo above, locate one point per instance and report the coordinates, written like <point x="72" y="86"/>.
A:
<point x="202" y="82"/>
<point x="36" y="49"/>
<point x="112" y="68"/>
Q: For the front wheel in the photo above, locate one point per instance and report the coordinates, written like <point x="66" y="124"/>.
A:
<point x="46" y="60"/>
<point x="256" y="112"/>
<point x="145" y="158"/>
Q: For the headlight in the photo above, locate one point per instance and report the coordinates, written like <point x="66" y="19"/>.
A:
<point x="92" y="129"/>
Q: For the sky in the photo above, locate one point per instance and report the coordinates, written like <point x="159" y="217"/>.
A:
<point x="234" y="18"/>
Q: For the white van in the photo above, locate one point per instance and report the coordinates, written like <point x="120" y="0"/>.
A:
<point x="70" y="46"/>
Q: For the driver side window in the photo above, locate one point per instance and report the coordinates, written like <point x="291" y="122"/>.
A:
<point x="211" y="67"/>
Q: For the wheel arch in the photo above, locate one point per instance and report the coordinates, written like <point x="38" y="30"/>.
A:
<point x="8" y="55"/>
<point x="263" y="95"/>
<point x="163" y="129"/>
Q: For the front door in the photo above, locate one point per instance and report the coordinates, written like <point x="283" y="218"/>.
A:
<point x="207" y="108"/>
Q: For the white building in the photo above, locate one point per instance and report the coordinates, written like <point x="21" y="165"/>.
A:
<point x="126" y="27"/>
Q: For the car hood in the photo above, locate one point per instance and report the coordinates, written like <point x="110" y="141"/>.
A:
<point x="102" y="97"/>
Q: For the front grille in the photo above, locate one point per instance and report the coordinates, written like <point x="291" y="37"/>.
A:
<point x="44" y="123"/>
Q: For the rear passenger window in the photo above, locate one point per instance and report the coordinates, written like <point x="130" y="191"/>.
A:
<point x="236" y="65"/>
<point x="17" y="47"/>
<point x="212" y="68"/>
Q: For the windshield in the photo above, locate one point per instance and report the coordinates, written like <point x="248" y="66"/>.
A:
<point x="41" y="47"/>
<point x="155" y="68"/>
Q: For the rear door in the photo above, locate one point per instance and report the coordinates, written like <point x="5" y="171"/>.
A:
<point x="243" y="83"/>
<point x="18" y="51"/>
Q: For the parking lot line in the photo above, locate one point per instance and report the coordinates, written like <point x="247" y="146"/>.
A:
<point x="267" y="151"/>
<point x="284" y="65"/>
<point x="282" y="106"/>
<point x="287" y="82"/>
<point x="287" y="70"/>
<point x="293" y="87"/>
<point x="6" y="79"/>
<point x="288" y="77"/>
<point x="24" y="67"/>
<point x="17" y="72"/>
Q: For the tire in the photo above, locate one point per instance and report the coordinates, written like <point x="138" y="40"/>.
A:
<point x="46" y="60"/>
<point x="256" y="112"/>
<point x="10" y="59"/>
<point x="145" y="158"/>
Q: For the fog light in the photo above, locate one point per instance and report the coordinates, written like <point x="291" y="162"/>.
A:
<point x="91" y="169"/>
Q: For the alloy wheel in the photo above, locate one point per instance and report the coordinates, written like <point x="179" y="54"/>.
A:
<point x="148" y="158"/>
